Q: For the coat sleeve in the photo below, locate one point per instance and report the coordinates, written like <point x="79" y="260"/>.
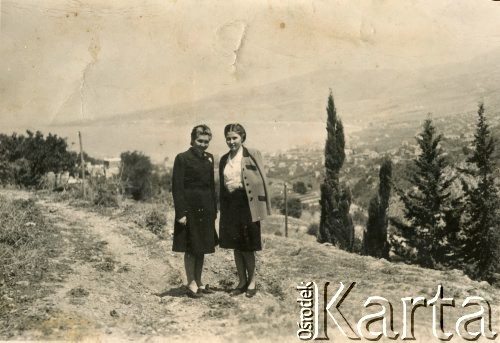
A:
<point x="180" y="204"/>
<point x="212" y="179"/>
<point x="260" y="164"/>
<point x="222" y="189"/>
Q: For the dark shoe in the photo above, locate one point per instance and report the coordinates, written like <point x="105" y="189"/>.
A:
<point x="191" y="294"/>
<point x="205" y="290"/>
<point x="250" y="293"/>
<point x="237" y="291"/>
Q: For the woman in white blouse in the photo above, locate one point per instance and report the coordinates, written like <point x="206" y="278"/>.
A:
<point x="244" y="203"/>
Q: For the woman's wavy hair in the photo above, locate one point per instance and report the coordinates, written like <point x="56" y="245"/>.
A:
<point x="200" y="130"/>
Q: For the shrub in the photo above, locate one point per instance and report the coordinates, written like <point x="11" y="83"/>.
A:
<point x="277" y="202"/>
<point x="105" y="196"/>
<point x="155" y="221"/>
<point x="357" y="246"/>
<point x="313" y="229"/>
<point x="359" y="217"/>
<point x="32" y="156"/>
<point x="300" y="187"/>
<point x="6" y="172"/>
<point x="294" y="205"/>
<point x="136" y="174"/>
<point x="20" y="222"/>
<point x="22" y="228"/>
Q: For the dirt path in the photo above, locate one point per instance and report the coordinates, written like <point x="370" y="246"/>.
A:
<point x="125" y="284"/>
<point x="113" y="280"/>
<point x="112" y="287"/>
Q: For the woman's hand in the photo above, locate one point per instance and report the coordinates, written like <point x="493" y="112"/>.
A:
<point x="230" y="187"/>
<point x="182" y="220"/>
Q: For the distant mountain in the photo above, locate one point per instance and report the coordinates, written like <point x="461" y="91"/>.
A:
<point x="359" y="94"/>
<point x="292" y="111"/>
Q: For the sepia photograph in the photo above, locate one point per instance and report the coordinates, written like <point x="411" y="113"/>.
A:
<point x="249" y="171"/>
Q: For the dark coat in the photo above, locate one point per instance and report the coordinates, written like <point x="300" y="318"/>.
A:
<point x="193" y="190"/>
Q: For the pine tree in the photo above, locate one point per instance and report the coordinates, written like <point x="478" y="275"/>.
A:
<point x="375" y="239"/>
<point x="426" y="203"/>
<point x="481" y="243"/>
<point x="336" y="225"/>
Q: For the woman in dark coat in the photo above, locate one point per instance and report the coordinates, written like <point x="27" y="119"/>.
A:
<point x="244" y="202"/>
<point x="193" y="189"/>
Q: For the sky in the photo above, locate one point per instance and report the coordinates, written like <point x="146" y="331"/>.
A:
<point x="68" y="62"/>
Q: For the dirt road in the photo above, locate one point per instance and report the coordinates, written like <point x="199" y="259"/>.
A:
<point x="125" y="283"/>
<point x="113" y="280"/>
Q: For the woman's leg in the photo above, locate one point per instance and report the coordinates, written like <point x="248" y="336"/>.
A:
<point x="240" y="267"/>
<point x="189" y="265"/>
<point x="198" y="268"/>
<point x="249" y="258"/>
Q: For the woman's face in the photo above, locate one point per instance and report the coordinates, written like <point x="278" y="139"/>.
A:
<point x="201" y="142"/>
<point x="233" y="141"/>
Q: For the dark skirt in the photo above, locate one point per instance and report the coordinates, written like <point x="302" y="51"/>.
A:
<point x="237" y="231"/>
<point x="198" y="236"/>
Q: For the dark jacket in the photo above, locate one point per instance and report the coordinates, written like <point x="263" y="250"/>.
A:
<point x="254" y="182"/>
<point x="192" y="174"/>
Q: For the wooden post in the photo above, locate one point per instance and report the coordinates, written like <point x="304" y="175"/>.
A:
<point x="286" y="212"/>
<point x="82" y="165"/>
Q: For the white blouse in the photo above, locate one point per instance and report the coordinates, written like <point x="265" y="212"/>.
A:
<point x="232" y="172"/>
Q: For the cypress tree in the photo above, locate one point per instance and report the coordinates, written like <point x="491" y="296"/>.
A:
<point x="336" y="225"/>
<point x="375" y="239"/>
<point x="426" y="203"/>
<point x="481" y="236"/>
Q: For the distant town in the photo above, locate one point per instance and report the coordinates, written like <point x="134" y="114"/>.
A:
<point x="365" y="148"/>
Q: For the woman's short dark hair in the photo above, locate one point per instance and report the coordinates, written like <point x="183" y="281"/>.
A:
<point x="200" y="130"/>
<point x="238" y="128"/>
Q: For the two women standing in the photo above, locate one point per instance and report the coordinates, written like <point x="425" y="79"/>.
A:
<point x="244" y="202"/>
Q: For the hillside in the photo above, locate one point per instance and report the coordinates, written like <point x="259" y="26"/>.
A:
<point x="362" y="95"/>
<point x="115" y="280"/>
<point x="292" y="110"/>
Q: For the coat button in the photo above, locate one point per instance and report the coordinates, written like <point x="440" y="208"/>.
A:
<point x="251" y="199"/>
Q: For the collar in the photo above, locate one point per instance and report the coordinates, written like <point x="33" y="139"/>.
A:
<point x="245" y="151"/>
<point x="239" y="155"/>
<point x="197" y="152"/>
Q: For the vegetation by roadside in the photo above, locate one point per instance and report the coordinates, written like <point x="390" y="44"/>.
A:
<point x="28" y="244"/>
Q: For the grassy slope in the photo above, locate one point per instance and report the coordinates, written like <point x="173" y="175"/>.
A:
<point x="29" y="244"/>
<point x="293" y="261"/>
<point x="285" y="262"/>
<point x="282" y="265"/>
